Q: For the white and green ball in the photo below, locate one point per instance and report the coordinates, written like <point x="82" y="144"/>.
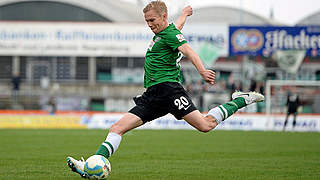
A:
<point x="97" y="167"/>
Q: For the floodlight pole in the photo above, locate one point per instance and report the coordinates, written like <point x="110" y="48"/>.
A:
<point x="241" y="13"/>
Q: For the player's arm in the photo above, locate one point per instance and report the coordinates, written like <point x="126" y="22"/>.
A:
<point x="207" y="75"/>
<point x="187" y="11"/>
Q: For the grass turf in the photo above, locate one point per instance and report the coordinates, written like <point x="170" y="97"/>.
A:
<point x="164" y="154"/>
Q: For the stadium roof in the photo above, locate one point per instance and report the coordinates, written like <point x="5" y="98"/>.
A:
<point x="113" y="10"/>
<point x="312" y="19"/>
<point x="127" y="12"/>
<point x="229" y="15"/>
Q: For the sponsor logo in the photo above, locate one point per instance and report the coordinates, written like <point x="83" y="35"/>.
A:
<point x="153" y="42"/>
<point x="247" y="40"/>
<point x="180" y="37"/>
<point x="245" y="94"/>
<point x="237" y="123"/>
<point x="310" y="124"/>
<point x="185" y="108"/>
<point x="284" y="39"/>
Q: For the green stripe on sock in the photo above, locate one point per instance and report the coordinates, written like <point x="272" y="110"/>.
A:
<point x="224" y="114"/>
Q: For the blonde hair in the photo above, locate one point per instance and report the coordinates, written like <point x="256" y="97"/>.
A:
<point x="159" y="6"/>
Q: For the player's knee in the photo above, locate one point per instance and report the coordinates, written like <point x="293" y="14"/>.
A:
<point x="205" y="125"/>
<point x="204" y="128"/>
<point x="115" y="128"/>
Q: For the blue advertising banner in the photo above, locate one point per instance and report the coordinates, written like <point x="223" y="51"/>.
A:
<point x="264" y="40"/>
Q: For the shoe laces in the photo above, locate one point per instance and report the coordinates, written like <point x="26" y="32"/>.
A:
<point x="82" y="161"/>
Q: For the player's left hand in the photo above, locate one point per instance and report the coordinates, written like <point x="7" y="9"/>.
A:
<point x="209" y="76"/>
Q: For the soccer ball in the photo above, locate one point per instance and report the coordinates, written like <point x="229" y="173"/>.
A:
<point x="97" y="167"/>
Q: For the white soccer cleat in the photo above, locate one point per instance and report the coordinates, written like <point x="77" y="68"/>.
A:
<point x="77" y="166"/>
<point x="249" y="97"/>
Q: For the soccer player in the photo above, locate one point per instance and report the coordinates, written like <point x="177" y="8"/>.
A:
<point x="292" y="107"/>
<point x="164" y="93"/>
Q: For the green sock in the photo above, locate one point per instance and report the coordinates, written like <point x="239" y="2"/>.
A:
<point x="240" y="102"/>
<point x="231" y="107"/>
<point x="110" y="145"/>
<point x="103" y="151"/>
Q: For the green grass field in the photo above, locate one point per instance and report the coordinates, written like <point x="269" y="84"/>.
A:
<point x="164" y="154"/>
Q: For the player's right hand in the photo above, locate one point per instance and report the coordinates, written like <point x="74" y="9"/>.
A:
<point x="209" y="76"/>
<point x="187" y="11"/>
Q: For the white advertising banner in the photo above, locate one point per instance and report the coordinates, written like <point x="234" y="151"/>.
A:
<point x="93" y="39"/>
<point x="210" y="41"/>
<point x="259" y="122"/>
<point x="304" y="122"/>
<point x="73" y="39"/>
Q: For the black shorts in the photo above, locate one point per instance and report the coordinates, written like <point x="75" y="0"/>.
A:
<point x="161" y="99"/>
<point x="292" y="112"/>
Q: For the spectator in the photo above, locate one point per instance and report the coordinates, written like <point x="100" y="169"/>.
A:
<point x="15" y="81"/>
<point x="52" y="106"/>
<point x="253" y="85"/>
<point x="231" y="86"/>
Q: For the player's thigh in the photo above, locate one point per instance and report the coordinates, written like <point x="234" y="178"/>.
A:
<point x="126" y="123"/>
<point x="178" y="101"/>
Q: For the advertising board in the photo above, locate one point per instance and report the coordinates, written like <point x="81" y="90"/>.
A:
<point x="95" y="39"/>
<point x="247" y="122"/>
<point x="41" y="121"/>
<point x="265" y="40"/>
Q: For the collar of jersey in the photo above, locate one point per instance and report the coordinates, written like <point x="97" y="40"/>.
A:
<point x="170" y="26"/>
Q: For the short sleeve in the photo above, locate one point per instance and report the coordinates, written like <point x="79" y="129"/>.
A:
<point x="175" y="39"/>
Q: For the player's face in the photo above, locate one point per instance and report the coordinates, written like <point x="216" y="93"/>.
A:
<point x="156" y="22"/>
